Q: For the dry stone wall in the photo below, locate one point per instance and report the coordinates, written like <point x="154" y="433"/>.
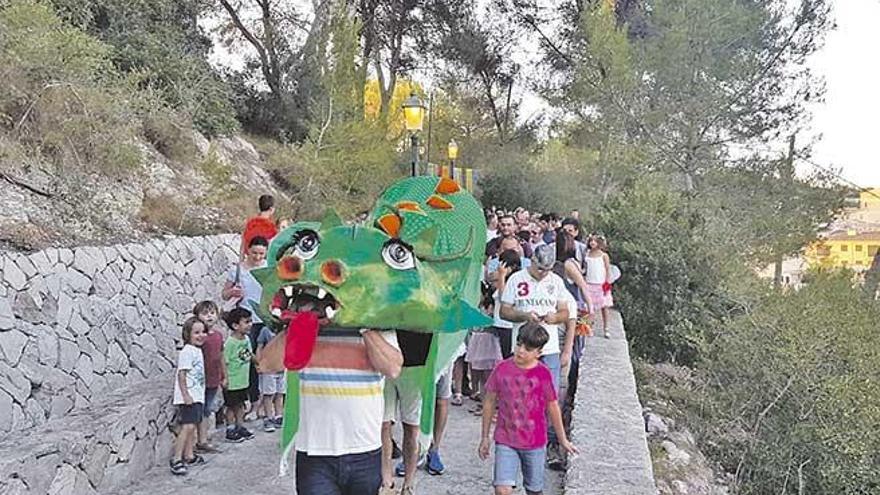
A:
<point x="77" y="324"/>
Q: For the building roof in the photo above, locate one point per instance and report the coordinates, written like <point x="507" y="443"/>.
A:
<point x="843" y="235"/>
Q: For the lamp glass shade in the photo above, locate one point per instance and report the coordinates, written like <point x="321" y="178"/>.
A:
<point x="414" y="113"/>
<point x="452" y="150"/>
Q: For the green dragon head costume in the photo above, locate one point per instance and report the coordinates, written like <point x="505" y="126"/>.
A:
<point x="414" y="267"/>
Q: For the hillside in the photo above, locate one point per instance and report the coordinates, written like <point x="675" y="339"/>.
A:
<point x="212" y="188"/>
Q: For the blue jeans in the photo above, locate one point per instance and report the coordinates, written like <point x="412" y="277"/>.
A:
<point x="350" y="474"/>
<point x="507" y="467"/>
<point x="552" y="361"/>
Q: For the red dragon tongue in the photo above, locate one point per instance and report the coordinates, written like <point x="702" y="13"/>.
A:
<point x="302" y="334"/>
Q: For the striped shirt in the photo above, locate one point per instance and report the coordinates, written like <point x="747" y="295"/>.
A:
<point x="341" y="401"/>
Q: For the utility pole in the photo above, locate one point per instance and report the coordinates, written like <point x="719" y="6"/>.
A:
<point x="786" y="174"/>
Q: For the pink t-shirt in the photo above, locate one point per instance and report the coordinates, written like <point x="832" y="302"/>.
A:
<point x="522" y="398"/>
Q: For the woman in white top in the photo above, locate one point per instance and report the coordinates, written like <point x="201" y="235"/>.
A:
<point x="598" y="267"/>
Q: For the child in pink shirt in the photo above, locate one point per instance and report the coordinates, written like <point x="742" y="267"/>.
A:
<point x="523" y="388"/>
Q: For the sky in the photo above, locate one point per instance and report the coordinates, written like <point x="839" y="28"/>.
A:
<point x="848" y="119"/>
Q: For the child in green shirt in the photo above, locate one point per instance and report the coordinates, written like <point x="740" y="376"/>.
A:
<point x="237" y="354"/>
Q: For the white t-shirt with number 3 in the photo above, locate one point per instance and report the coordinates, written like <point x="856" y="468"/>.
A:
<point x="525" y="293"/>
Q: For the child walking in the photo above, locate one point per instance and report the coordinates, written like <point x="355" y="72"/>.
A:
<point x="238" y="355"/>
<point x="215" y="371"/>
<point x="273" y="387"/>
<point x="189" y="395"/>
<point x="523" y="389"/>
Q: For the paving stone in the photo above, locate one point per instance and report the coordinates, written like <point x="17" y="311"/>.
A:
<point x="35" y="412"/>
<point x="87" y="261"/>
<point x="77" y="282"/>
<point x="5" y="411"/>
<point x="95" y="463"/>
<point x="64" y="482"/>
<point x="12" y="344"/>
<point x="68" y="355"/>
<point x="47" y="345"/>
<point x="7" y="318"/>
<point x="84" y="370"/>
<point x="41" y="262"/>
<point x="25" y="264"/>
<point x="14" y="383"/>
<point x="65" y="256"/>
<point x="13" y="275"/>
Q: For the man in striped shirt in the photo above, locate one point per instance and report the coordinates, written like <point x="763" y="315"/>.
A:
<point x="339" y="442"/>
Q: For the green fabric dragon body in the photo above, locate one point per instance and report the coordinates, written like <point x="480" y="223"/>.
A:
<point x="414" y="267"/>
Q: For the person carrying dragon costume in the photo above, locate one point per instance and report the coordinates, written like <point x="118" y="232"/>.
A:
<point x="339" y="295"/>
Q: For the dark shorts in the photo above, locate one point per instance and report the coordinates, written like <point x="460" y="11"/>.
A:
<point x="505" y="339"/>
<point x="351" y="474"/>
<point x="254" y="386"/>
<point x="211" y="401"/>
<point x="191" y="414"/>
<point x="235" y="398"/>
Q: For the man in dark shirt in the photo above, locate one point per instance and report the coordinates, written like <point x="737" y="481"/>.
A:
<point x="506" y="228"/>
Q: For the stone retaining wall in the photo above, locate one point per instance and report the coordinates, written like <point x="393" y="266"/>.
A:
<point x="76" y="324"/>
<point x="607" y="423"/>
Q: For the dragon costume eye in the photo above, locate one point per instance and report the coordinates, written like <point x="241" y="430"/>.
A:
<point x="306" y="244"/>
<point x="398" y="256"/>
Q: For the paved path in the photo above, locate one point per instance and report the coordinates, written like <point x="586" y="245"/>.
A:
<point x="251" y="467"/>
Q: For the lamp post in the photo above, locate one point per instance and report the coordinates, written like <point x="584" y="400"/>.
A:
<point x="414" y="116"/>
<point x="452" y="153"/>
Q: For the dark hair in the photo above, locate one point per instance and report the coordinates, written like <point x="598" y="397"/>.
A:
<point x="506" y="215"/>
<point x="266" y="202"/>
<point x="512" y="259"/>
<point x="235" y="316"/>
<point x="188" y="325"/>
<point x="204" y="307"/>
<point x="571" y="221"/>
<point x="565" y="245"/>
<point x="524" y="235"/>
<point x="258" y="240"/>
<point x="532" y="335"/>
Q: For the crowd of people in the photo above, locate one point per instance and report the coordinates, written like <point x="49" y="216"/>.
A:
<point x="547" y="287"/>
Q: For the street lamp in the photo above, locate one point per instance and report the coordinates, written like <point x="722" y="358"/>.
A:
<point x="414" y="116"/>
<point x="452" y="153"/>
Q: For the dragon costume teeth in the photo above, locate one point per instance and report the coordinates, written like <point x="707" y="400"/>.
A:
<point x="414" y="267"/>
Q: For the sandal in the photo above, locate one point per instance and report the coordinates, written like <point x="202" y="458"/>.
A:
<point x="178" y="468"/>
<point x="206" y="448"/>
<point x="457" y="400"/>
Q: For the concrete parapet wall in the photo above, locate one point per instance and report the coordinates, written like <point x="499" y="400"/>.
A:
<point x="607" y="424"/>
<point x="77" y="324"/>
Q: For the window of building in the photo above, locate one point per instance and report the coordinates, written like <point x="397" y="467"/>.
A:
<point x="844" y="248"/>
<point x="859" y="248"/>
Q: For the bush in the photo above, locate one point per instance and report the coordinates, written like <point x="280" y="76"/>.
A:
<point x="793" y="392"/>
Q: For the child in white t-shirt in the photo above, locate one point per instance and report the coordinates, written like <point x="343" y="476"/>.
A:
<point x="189" y="395"/>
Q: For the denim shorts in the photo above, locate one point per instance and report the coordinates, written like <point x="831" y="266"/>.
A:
<point x="508" y="462"/>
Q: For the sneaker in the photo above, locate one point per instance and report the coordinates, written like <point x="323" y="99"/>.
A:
<point x="245" y="433"/>
<point x="268" y="425"/>
<point x="279" y="421"/>
<point x="233" y="435"/>
<point x="178" y="468"/>
<point x="400" y="470"/>
<point x="434" y="464"/>
<point x="196" y="460"/>
<point x="555" y="462"/>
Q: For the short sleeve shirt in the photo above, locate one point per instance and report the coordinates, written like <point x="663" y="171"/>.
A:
<point x="212" y="350"/>
<point x="525" y="293"/>
<point x="266" y="336"/>
<point x="190" y="359"/>
<point x="253" y="291"/>
<point x="341" y="396"/>
<point x="237" y="353"/>
<point x="522" y="398"/>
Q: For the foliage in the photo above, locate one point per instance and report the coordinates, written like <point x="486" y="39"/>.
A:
<point x="162" y="43"/>
<point x="792" y="394"/>
<point x="61" y="99"/>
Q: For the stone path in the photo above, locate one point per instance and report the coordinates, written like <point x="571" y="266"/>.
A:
<point x="251" y="467"/>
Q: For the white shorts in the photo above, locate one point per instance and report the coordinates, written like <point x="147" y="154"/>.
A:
<point x="444" y="383"/>
<point x="407" y="402"/>
<point x="273" y="383"/>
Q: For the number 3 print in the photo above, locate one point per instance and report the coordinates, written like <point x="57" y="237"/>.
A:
<point x="522" y="289"/>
